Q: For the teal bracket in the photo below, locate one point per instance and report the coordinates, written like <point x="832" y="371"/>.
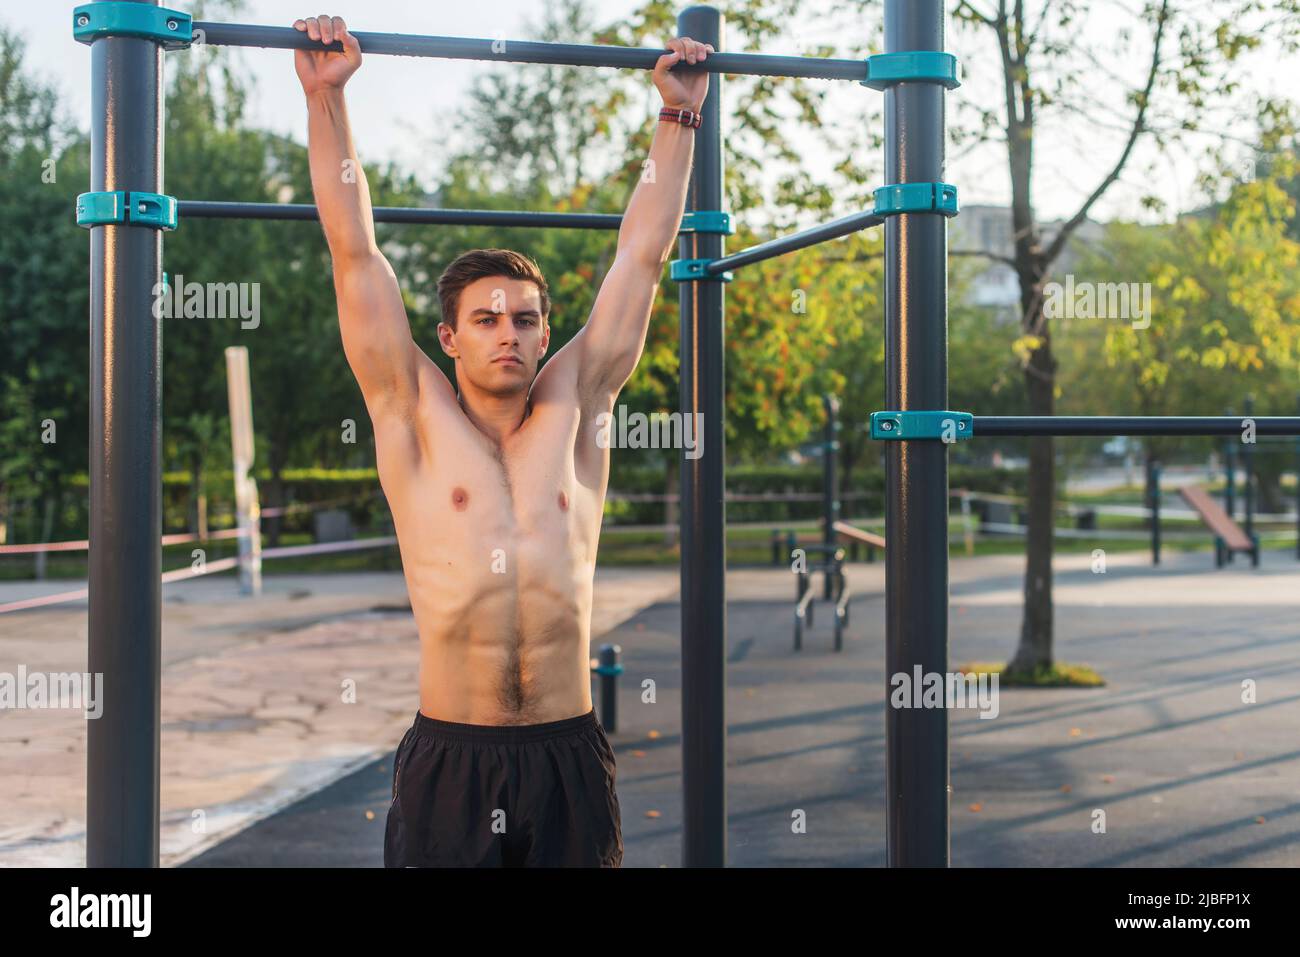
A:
<point x="610" y="670"/>
<point x="121" y="208"/>
<point x="909" y="426"/>
<point x="170" y="28"/>
<point x="693" y="270"/>
<point x="707" y="221"/>
<point x="938" y="198"/>
<point x="921" y="66"/>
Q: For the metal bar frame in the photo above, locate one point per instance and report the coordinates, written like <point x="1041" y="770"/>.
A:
<point x="916" y="472"/>
<point x="786" y="244"/>
<point x="208" y="209"/>
<point x="125" y="555"/>
<point x="529" y="51"/>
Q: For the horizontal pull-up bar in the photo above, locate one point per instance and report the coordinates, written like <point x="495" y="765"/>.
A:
<point x="526" y="51"/>
<point x="204" y="209"/>
<point x="786" y="244"/>
<point x="948" y="426"/>
<point x="1110" y="425"/>
<point x="894" y="200"/>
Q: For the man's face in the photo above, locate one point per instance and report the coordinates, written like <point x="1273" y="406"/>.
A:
<point x="499" y="337"/>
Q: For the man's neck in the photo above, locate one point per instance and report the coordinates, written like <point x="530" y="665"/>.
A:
<point x="497" y="417"/>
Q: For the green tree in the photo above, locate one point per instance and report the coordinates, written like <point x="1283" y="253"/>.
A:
<point x="43" y="302"/>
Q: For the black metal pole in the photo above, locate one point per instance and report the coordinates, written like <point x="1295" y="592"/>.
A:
<point x="830" y="483"/>
<point x="526" y="51"/>
<point x="125" y="564"/>
<point x="1230" y="464"/>
<point x="852" y="223"/>
<point x="703" y="510"/>
<point x="1297" y="486"/>
<point x="209" y="209"/>
<point x="1248" y="468"/>
<point x="916" y="472"/>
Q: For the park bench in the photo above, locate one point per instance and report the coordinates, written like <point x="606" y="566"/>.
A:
<point x="1229" y="538"/>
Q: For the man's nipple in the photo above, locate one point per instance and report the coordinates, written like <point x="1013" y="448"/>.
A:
<point x="564" y="501"/>
<point x="459" y="499"/>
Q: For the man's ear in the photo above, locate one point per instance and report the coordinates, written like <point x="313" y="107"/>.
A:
<point x="446" y="339"/>
<point x="545" y="342"/>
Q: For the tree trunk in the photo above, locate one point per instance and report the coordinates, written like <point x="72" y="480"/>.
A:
<point x="1035" y="650"/>
<point x="275" y="498"/>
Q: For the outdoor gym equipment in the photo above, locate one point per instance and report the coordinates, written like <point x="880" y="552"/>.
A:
<point x="126" y="212"/>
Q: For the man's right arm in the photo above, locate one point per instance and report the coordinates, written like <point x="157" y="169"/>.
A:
<point x="390" y="368"/>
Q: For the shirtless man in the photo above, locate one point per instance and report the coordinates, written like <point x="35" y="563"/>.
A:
<point x="497" y="488"/>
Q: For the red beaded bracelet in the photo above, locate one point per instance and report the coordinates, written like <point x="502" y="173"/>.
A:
<point x="684" y="117"/>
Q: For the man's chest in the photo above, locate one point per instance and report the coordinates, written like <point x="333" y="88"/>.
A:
<point x="533" y="481"/>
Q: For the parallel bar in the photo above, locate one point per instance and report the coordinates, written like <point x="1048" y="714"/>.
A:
<point x="1230" y="489"/>
<point x="526" y="51"/>
<point x="204" y="209"/>
<point x="786" y="244"/>
<point x="703" y="497"/>
<point x="125" y="559"/>
<point x="916" y="472"/>
<point x="830" y="480"/>
<point x="1106" y="425"/>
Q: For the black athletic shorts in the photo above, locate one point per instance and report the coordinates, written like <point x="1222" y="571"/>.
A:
<point x="472" y="795"/>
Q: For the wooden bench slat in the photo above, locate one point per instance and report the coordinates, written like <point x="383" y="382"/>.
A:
<point x="1218" y="520"/>
<point x="845" y="530"/>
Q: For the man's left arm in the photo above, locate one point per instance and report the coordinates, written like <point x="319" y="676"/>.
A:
<point x="615" y="333"/>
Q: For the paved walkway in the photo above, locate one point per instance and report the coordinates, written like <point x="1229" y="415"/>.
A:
<point x="1185" y="773"/>
<point x="264" y="701"/>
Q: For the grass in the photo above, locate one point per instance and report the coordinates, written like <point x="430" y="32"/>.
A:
<point x="1059" y="675"/>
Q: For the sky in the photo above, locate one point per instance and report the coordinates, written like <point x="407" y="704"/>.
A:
<point x="403" y="109"/>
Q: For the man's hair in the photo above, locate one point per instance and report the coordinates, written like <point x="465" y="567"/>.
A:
<point x="479" y="264"/>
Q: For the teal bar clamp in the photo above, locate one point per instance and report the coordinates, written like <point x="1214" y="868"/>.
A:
<point x="938" y="198"/>
<point x="121" y="208"/>
<point x="921" y="66"/>
<point x="707" y="221"/>
<point x="172" y="29"/>
<point x="611" y="671"/>
<point x="945" y="426"/>
<point x="691" y="270"/>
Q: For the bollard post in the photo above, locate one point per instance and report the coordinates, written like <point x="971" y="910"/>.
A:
<point x="609" y="668"/>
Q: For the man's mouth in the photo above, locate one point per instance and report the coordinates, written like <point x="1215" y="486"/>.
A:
<point x="510" y="359"/>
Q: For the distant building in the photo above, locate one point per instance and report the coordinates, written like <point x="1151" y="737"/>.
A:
<point x="987" y="229"/>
